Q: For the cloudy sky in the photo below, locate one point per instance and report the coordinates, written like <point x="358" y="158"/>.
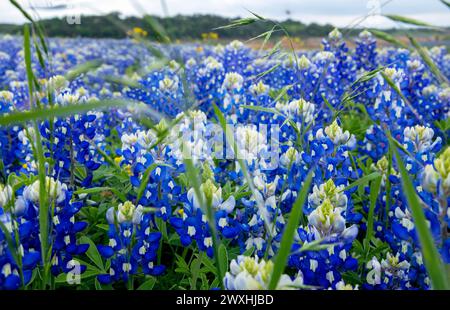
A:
<point x="341" y="13"/>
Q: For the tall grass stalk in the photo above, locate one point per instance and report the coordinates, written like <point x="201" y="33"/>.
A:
<point x="207" y="208"/>
<point x="287" y="240"/>
<point x="39" y="155"/>
<point x="433" y="263"/>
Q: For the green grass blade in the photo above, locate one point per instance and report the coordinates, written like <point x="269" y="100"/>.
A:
<point x="365" y="179"/>
<point x="446" y="2"/>
<point x="256" y="15"/>
<point x="93" y="253"/>
<point x="27" y="57"/>
<point x="273" y="111"/>
<point x="10" y="243"/>
<point x="157" y="29"/>
<point x="146" y="179"/>
<point x="59" y="111"/>
<point x="38" y="151"/>
<point x="399" y="92"/>
<point x="193" y="176"/>
<point x="428" y="61"/>
<point x="223" y="258"/>
<point x="289" y="233"/>
<point x="432" y="259"/>
<point x="374" y="192"/>
<point x="388" y="38"/>
<point x="95" y="190"/>
<point x="147" y="285"/>
<point x="238" y="23"/>
<point x="408" y="20"/>
<point x="24" y="13"/>
<point x="268" y="71"/>
<point x="82" y="68"/>
<point x="388" y="188"/>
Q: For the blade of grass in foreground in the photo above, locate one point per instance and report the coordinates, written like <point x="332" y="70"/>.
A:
<point x="363" y="180"/>
<point x="229" y="138"/>
<point x="399" y="92"/>
<point x="433" y="263"/>
<point x="146" y="179"/>
<point x="388" y="38"/>
<point x="374" y="191"/>
<point x="95" y="190"/>
<point x="82" y="68"/>
<point x="408" y="20"/>
<point x="206" y="207"/>
<point x="50" y="112"/>
<point x="39" y="155"/>
<point x="428" y="61"/>
<point x="289" y="233"/>
<point x="447" y="3"/>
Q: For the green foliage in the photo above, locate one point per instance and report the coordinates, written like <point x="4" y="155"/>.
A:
<point x="162" y="28"/>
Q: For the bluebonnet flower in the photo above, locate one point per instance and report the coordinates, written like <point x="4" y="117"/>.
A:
<point x="248" y="273"/>
<point x="132" y="246"/>
<point x="327" y="227"/>
<point x="21" y="216"/>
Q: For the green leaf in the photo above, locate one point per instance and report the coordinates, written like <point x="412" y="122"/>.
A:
<point x="104" y="227"/>
<point x="147" y="285"/>
<point x="95" y="190"/>
<point x="361" y="181"/>
<point x="97" y="285"/>
<point x="89" y="273"/>
<point x="93" y="253"/>
<point x="433" y="263"/>
<point x="249" y="252"/>
<point x="374" y="191"/>
<point x="289" y="233"/>
<point x="223" y="258"/>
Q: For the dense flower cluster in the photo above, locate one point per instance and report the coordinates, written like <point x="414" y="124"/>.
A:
<point x="122" y="174"/>
<point x="20" y="217"/>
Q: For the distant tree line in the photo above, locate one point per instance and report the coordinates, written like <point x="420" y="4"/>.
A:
<point x="184" y="27"/>
<point x="177" y="27"/>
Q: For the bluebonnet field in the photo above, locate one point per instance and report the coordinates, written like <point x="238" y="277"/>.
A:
<point x="336" y="174"/>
